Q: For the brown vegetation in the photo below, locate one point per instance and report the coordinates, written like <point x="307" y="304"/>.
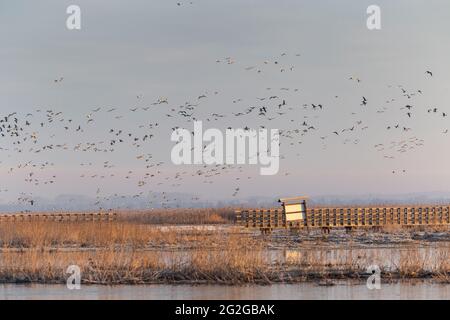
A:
<point x="66" y="234"/>
<point x="134" y="250"/>
<point x="198" y="216"/>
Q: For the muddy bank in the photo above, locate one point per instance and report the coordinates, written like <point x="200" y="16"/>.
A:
<point x="328" y="278"/>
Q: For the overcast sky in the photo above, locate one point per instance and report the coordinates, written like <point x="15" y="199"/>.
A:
<point x="154" y="49"/>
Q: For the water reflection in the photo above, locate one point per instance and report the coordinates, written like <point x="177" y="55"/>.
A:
<point x="343" y="290"/>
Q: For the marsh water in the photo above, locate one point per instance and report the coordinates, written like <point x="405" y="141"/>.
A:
<point x="313" y="291"/>
<point x="432" y="256"/>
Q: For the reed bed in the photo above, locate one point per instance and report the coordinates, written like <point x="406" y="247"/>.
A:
<point x="189" y="216"/>
<point x="233" y="265"/>
<point x="37" y="234"/>
<point x="130" y="267"/>
<point x="129" y="252"/>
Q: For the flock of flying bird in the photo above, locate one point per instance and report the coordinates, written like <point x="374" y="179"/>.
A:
<point x="32" y="134"/>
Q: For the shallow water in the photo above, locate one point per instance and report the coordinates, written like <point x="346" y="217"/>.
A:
<point x="343" y="290"/>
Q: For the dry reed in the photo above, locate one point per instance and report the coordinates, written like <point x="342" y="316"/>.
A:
<point x="126" y="251"/>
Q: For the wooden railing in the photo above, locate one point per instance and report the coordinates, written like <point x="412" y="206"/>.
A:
<point x="347" y="217"/>
<point x="98" y="216"/>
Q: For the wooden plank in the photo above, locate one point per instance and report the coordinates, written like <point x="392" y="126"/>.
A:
<point x="343" y="217"/>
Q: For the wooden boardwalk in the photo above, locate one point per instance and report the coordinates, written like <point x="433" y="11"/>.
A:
<point x="98" y="216"/>
<point x="326" y="218"/>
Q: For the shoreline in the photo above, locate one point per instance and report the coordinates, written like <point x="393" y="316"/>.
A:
<point x="326" y="280"/>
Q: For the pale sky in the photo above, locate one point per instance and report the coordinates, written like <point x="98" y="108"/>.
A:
<point x="154" y="49"/>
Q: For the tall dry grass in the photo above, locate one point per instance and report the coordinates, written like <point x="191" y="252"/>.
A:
<point x="126" y="251"/>
<point x="233" y="265"/>
<point x="32" y="234"/>
<point x="239" y="260"/>
<point x="192" y="216"/>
